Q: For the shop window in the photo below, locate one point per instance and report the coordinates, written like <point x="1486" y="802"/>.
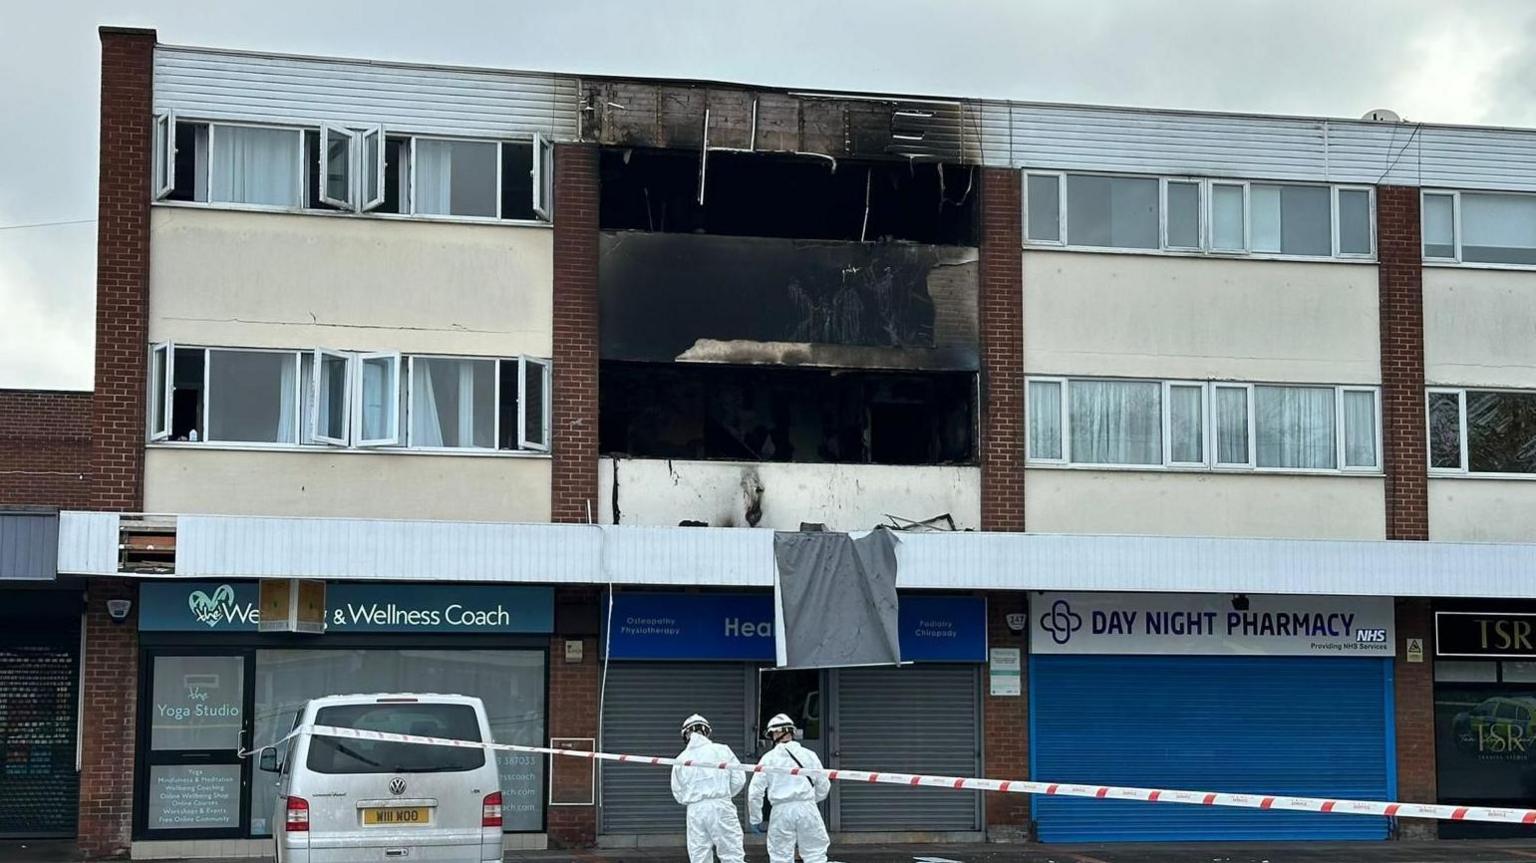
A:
<point x="196" y="717"/>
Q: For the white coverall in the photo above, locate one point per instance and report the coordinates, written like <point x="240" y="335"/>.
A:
<point x="795" y="820"/>
<point x="713" y="825"/>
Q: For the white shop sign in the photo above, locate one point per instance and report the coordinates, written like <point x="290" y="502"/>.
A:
<point x="1208" y="624"/>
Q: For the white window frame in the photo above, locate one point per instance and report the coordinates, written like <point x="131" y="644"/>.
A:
<point x="455" y="138"/>
<point x="410" y="403"/>
<point x="1338" y="226"/>
<point x="543" y="178"/>
<point x="1341" y="431"/>
<point x="1461" y="433"/>
<point x="1250" y="446"/>
<point x="375" y="170"/>
<point x="317" y="380"/>
<point x="1162" y="228"/>
<point x="1455" y="196"/>
<point x="322" y="166"/>
<point x="1061" y="212"/>
<point x="298" y="397"/>
<point x="1210" y="239"/>
<point x="1061" y="421"/>
<point x="167" y="387"/>
<point x="1205" y="423"/>
<point x="356" y="402"/>
<point x="165" y="154"/>
<point x="303" y="163"/>
<point x="1066" y="429"/>
<point x="523" y="440"/>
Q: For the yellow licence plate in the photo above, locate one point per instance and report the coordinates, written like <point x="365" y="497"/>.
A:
<point x="397" y="815"/>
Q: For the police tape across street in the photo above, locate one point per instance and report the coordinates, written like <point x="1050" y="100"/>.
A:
<point x="1440" y="812"/>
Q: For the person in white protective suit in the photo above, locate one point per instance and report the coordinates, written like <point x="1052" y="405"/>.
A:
<point x="794" y="820"/>
<point x="713" y="825"/>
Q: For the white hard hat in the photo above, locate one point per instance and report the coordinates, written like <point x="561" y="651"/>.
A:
<point x="780" y="722"/>
<point x="695" y="723"/>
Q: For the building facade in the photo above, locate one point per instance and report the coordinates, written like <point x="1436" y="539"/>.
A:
<point x="1207" y="439"/>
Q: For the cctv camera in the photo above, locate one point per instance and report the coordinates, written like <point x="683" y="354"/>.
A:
<point x="118" y="609"/>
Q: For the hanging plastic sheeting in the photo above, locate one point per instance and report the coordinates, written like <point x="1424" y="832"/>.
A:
<point x="835" y="599"/>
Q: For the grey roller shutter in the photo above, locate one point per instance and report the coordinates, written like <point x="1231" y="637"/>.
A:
<point x="645" y="705"/>
<point x="917" y="719"/>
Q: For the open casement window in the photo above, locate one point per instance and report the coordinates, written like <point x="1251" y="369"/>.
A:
<point x="371" y="168"/>
<point x="162" y="376"/>
<point x="533" y="418"/>
<point x="543" y="177"/>
<point x="336" y="166"/>
<point x="165" y="154"/>
<point x="329" y="405"/>
<point x="1232" y="412"/>
<point x="377" y="400"/>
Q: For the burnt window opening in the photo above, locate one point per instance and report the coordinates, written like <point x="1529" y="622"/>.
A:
<point x="780" y="195"/>
<point x="765" y="414"/>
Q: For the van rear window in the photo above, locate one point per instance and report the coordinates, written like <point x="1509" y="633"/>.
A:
<point x="346" y="755"/>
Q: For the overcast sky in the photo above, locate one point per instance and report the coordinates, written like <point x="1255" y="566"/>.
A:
<point x="1430" y="60"/>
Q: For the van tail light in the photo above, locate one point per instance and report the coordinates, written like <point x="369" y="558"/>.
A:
<point x="297" y="818"/>
<point x="490" y="810"/>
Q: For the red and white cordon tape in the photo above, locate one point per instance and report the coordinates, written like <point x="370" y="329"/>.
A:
<point x="1006" y="786"/>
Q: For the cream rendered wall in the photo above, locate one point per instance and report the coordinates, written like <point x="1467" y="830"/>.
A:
<point x="1482" y="510"/>
<point x="1202" y="318"/>
<point x="346" y="484"/>
<point x="1479" y="327"/>
<point x="1204" y="504"/>
<point x="660" y="492"/>
<point x="226" y="277"/>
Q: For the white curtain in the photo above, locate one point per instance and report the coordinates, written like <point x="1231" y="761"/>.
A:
<point x="287" y="425"/>
<point x="1227" y="217"/>
<point x="1231" y="425"/>
<point x="374" y="397"/>
<point x="256" y="166"/>
<point x="1045" y="419"/>
<point x="1295" y="427"/>
<point x="1264" y="217"/>
<point x="1186" y="426"/>
<point x="426" y="426"/>
<point x="1116" y="422"/>
<point x="466" y="417"/>
<point x="1359" y="428"/>
<point x="434" y="177"/>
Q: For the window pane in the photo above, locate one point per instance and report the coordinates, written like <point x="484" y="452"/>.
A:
<point x="158" y="360"/>
<point x="1359" y="428"/>
<point x="331" y="413"/>
<point x="456" y="178"/>
<point x="1044" y="209"/>
<point x="1445" y="430"/>
<point x="1227" y="218"/>
<point x="1498" y="229"/>
<point x="1295" y="427"/>
<point x="1184" y="215"/>
<point x="534" y="382"/>
<point x="1354" y="222"/>
<point x="380" y="400"/>
<point x="256" y="166"/>
<point x="334" y="756"/>
<point x="372" y="141"/>
<point x="1501" y="432"/>
<point x="1118" y="212"/>
<point x="1231" y="425"/>
<point x="1044" y="419"/>
<point x="1439" y="226"/>
<point x="193" y="797"/>
<point x="1116" y="422"/>
<point x="252" y="396"/>
<point x="1291" y="220"/>
<point x="517" y="181"/>
<point x="198" y="700"/>
<point x="453" y="403"/>
<point x="1186" y="427"/>
<point x="338" y="165"/>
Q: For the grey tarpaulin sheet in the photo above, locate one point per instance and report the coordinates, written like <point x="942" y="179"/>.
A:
<point x="835" y="599"/>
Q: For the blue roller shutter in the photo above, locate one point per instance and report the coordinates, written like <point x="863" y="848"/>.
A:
<point x="1264" y="725"/>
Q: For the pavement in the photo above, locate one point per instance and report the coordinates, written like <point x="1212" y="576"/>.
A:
<point x="1300" y="852"/>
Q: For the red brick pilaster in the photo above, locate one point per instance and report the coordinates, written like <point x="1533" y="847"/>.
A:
<point x="573" y="712"/>
<point x="574" y="487"/>
<point x="45" y="448"/>
<point x="111" y="676"/>
<point x="122" y="267"/>
<point x="1001" y="312"/>
<point x="1401" y="288"/>
<point x="1005" y="727"/>
<point x="1415" y="696"/>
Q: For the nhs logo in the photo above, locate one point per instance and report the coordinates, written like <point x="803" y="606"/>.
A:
<point x="1371" y="636"/>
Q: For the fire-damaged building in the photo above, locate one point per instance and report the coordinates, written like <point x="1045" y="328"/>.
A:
<point x="1205" y="441"/>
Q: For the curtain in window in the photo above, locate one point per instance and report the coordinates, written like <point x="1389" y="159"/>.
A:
<point x="287" y="425"/>
<point x="375" y="396"/>
<point x="1186" y="425"/>
<point x="1116" y="422"/>
<point x="1044" y="419"/>
<point x="256" y="166"/>
<point x="1231" y="425"/>
<point x="1359" y="428"/>
<point x="1295" y="427"/>
<point x="426" y="426"/>
<point x="434" y="177"/>
<point x="453" y="403"/>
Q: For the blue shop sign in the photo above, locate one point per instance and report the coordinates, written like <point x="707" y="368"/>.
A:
<point x="233" y="606"/>
<point x="739" y="626"/>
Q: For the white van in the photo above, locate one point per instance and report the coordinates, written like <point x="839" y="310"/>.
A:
<point x="342" y="800"/>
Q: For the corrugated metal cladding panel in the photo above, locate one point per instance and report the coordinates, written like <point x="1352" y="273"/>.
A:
<point x="205" y="84"/>
<point x="917" y="719"/>
<point x="1310" y="727"/>
<point x="1456" y="158"/>
<point x="645" y="704"/>
<point x="88" y="542"/>
<point x="29" y="546"/>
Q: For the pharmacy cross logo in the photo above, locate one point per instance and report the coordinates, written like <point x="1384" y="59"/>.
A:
<point x="1061" y="621"/>
<point x="210" y="609"/>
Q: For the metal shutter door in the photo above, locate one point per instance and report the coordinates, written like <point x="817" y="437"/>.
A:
<point x="646" y="705"/>
<point x="918" y="719"/>
<point x="1264" y="725"/>
<point x="38" y="783"/>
